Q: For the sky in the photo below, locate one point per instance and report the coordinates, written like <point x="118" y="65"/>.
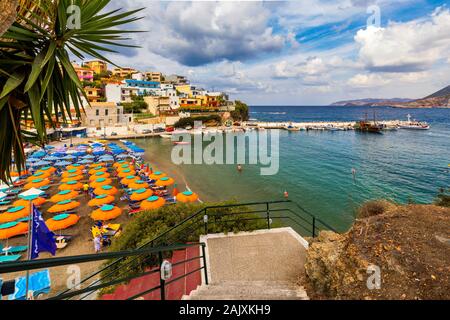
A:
<point x="304" y="52"/>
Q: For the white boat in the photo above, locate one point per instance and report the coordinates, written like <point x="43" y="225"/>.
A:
<point x="414" y="125"/>
<point x="165" y="136"/>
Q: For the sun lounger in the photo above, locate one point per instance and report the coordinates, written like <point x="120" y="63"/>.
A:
<point x="13" y="250"/>
<point x="10" y="258"/>
<point x="5" y="203"/>
<point x="43" y="188"/>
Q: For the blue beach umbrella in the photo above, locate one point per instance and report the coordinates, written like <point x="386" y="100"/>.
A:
<point x="62" y="163"/>
<point x="41" y="163"/>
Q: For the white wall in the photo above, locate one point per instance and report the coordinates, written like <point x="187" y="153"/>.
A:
<point x="113" y="93"/>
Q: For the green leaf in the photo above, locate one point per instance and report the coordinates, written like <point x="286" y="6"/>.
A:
<point x="12" y="83"/>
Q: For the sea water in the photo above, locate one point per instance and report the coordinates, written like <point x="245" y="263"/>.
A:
<point x="316" y="166"/>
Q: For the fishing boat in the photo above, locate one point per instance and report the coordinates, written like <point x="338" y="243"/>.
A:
<point x="290" y="127"/>
<point x="414" y="125"/>
<point x="368" y="126"/>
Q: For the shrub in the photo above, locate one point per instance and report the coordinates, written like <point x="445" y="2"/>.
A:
<point x="147" y="225"/>
<point x="189" y="121"/>
<point x="374" y="208"/>
<point x="443" y="198"/>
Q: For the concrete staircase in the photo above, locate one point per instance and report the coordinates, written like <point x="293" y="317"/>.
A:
<point x="248" y="290"/>
<point x="258" y="265"/>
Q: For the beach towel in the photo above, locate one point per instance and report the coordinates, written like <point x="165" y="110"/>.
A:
<point x="39" y="283"/>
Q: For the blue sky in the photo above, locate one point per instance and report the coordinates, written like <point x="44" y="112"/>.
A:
<point x="310" y="52"/>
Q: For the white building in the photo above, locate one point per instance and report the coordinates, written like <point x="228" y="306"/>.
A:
<point x="119" y="93"/>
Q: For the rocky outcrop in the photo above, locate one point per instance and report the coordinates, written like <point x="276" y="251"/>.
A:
<point x="329" y="266"/>
<point x="408" y="244"/>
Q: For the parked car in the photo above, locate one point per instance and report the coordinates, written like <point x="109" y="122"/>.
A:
<point x="146" y="131"/>
<point x="113" y="133"/>
<point x="170" y="129"/>
<point x="158" y="130"/>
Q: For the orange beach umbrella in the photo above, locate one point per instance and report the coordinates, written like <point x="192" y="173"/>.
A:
<point x="164" y="182"/>
<point x="119" y="163"/>
<point x="39" y="175"/>
<point x="157" y="175"/>
<point x="71" y="185"/>
<point x="36" y="183"/>
<point x="64" y="205"/>
<point x="99" y="174"/>
<point x="13" y="228"/>
<point x="106" y="212"/>
<point x="73" y="176"/>
<point x="123" y="166"/>
<point x="38" y="201"/>
<point x="125" y="173"/>
<point x="152" y="202"/>
<point x="138" y="184"/>
<point x="100" y="182"/>
<point x="128" y="179"/>
<point x="69" y="172"/>
<point x="64" y="195"/>
<point x="47" y="169"/>
<point x="97" y="164"/>
<point x="109" y="190"/>
<point x="187" y="196"/>
<point x="62" y="221"/>
<point x="15" y="213"/>
<point x="97" y="169"/>
<point x="75" y="166"/>
<point x="101" y="200"/>
<point x="141" y="194"/>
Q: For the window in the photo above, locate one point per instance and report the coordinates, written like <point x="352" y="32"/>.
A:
<point x="118" y="111"/>
<point x="97" y="112"/>
<point x="106" y="112"/>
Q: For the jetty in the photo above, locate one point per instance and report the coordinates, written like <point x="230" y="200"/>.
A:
<point x="319" y="125"/>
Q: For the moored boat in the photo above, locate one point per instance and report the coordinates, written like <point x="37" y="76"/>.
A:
<point x="414" y="125"/>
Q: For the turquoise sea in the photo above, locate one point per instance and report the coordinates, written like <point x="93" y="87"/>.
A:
<point x="316" y="166"/>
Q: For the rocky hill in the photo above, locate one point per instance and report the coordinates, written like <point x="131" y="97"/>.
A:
<point x="440" y="99"/>
<point x="370" y="102"/>
<point x="410" y="245"/>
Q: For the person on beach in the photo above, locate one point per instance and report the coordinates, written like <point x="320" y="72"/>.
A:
<point x="97" y="243"/>
<point x="86" y="189"/>
<point x="239" y="168"/>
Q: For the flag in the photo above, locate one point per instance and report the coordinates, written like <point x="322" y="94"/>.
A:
<point x="42" y="239"/>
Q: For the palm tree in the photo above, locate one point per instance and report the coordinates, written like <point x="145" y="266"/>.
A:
<point x="38" y="84"/>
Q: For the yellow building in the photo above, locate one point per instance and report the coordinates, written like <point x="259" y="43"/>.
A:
<point x="123" y="72"/>
<point x="186" y="89"/>
<point x="98" y="66"/>
<point x="93" y="94"/>
<point x="154" y="76"/>
<point x="209" y="101"/>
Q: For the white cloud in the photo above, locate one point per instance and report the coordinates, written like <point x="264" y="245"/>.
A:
<point x="197" y="33"/>
<point x="406" y="47"/>
<point x="367" y="80"/>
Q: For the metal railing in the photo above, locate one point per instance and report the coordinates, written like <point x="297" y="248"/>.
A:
<point x="148" y="251"/>
<point x="208" y="219"/>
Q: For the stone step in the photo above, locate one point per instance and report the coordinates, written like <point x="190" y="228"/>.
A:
<point x="246" y="290"/>
<point x="244" y="297"/>
<point x="265" y="284"/>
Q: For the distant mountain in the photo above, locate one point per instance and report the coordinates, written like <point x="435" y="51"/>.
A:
<point x="370" y="102"/>
<point x="440" y="99"/>
<point x="440" y="93"/>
